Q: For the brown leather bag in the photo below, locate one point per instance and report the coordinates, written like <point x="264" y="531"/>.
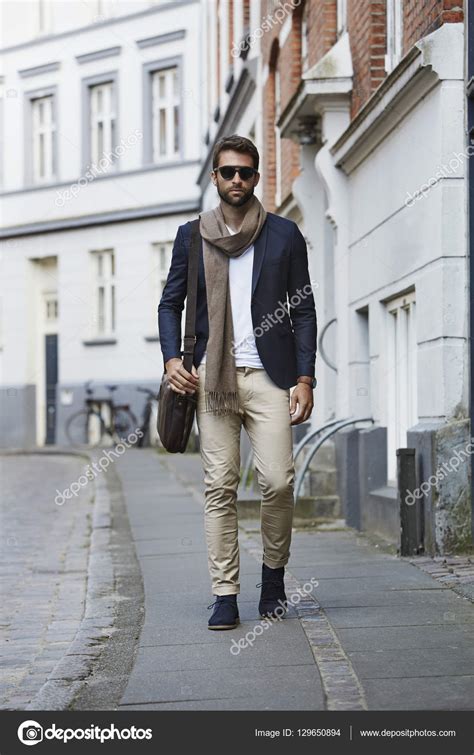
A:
<point x="176" y="410"/>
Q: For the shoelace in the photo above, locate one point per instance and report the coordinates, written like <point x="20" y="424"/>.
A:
<point x="216" y="602"/>
<point x="270" y="582"/>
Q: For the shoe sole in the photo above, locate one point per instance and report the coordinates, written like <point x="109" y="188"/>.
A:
<point x="224" y="626"/>
<point x="271" y="616"/>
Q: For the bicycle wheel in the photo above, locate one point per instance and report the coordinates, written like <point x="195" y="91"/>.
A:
<point x="124" y="423"/>
<point x="144" y="441"/>
<point x="77" y="428"/>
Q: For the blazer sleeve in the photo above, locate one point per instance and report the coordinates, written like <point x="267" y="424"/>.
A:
<point x="172" y="301"/>
<point x="302" y="308"/>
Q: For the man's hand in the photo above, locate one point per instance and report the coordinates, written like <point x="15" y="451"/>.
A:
<point x="180" y="379"/>
<point x="302" y="397"/>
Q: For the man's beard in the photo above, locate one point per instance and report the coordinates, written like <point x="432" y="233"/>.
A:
<point x="235" y="201"/>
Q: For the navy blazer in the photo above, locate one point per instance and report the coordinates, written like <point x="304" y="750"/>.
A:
<point x="285" y="335"/>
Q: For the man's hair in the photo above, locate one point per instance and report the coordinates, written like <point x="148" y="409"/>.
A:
<point x="237" y="144"/>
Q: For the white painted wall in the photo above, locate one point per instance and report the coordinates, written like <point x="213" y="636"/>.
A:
<point x="394" y="246"/>
<point x="132" y="359"/>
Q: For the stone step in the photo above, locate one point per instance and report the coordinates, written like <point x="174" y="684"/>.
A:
<point x="324" y="457"/>
<point x="322" y="481"/>
<point x="307" y="507"/>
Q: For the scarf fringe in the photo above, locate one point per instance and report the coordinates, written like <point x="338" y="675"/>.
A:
<point x="222" y="403"/>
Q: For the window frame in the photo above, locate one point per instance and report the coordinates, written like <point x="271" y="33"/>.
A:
<point x="402" y="390"/>
<point x="341" y="17"/>
<point x="88" y="83"/>
<point x="149" y="70"/>
<point x="28" y="173"/>
<point x="159" y="274"/>
<point x="394" y="34"/>
<point x="107" y="282"/>
<point x="278" y="140"/>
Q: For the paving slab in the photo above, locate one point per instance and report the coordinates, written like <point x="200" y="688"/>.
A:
<point x="376" y="625"/>
<point x="179" y="662"/>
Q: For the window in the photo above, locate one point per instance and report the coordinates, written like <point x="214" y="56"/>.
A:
<point x="402" y="383"/>
<point x="51" y="307"/>
<point x="104" y="292"/>
<point x="43" y="139"/>
<point x="161" y="261"/>
<point x="165" y="114"/>
<point x="394" y="34"/>
<point x="44" y="16"/>
<point x="102" y="125"/>
<point x="160" y="265"/>
<point x="304" y="38"/>
<point x="341" y="16"/>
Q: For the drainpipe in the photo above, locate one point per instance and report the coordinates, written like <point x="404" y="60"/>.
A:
<point x="469" y="27"/>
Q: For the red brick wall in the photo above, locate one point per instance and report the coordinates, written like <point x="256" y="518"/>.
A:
<point x="367" y="32"/>
<point x="267" y="153"/>
<point x="246" y="13"/>
<point x="322" y="24"/>
<point x="421" y="18"/>
<point x="366" y="22"/>
<point x="288" y="60"/>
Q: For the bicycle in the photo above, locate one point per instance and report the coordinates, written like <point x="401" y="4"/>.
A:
<point x="149" y="417"/>
<point x="121" y="420"/>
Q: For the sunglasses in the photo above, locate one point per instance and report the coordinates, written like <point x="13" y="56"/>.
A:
<point x="228" y="172"/>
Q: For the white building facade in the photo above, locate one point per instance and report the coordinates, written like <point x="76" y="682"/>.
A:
<point x="383" y="198"/>
<point x="101" y="146"/>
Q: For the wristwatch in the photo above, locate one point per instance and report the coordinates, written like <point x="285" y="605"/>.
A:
<point x="313" y="383"/>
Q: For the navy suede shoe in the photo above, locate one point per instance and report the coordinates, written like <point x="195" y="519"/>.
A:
<point x="272" y="595"/>
<point x="225" y="614"/>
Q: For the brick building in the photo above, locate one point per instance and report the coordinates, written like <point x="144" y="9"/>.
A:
<point x="357" y="109"/>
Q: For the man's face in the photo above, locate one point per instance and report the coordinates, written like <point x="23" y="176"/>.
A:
<point x="235" y="191"/>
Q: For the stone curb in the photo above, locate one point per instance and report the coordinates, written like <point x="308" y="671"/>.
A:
<point x="72" y="669"/>
<point x="341" y="686"/>
<point x="72" y="672"/>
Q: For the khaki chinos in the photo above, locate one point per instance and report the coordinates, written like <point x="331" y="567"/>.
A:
<point x="264" y="413"/>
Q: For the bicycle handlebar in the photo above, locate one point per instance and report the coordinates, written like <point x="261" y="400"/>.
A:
<point x="145" y="390"/>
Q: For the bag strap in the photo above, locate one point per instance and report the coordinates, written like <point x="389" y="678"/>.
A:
<point x="191" y="297"/>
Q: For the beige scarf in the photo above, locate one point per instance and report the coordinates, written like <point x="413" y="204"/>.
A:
<point x="220" y="385"/>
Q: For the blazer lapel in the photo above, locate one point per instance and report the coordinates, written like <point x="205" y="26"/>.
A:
<point x="259" y="248"/>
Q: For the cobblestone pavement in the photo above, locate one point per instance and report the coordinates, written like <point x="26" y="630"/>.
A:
<point x="72" y="591"/>
<point x="44" y="569"/>
<point x="456" y="572"/>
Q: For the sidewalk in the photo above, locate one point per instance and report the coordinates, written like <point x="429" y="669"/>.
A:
<point x="377" y="633"/>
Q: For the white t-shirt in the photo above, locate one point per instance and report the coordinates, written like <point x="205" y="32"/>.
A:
<point x="240" y="285"/>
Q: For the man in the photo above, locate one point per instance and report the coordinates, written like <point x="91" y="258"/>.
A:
<point x="251" y="348"/>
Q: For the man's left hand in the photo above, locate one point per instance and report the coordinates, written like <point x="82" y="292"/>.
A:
<point x="301" y="403"/>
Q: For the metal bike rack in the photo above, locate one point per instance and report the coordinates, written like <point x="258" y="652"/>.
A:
<point x="302" y="443"/>
<point x="309" y="436"/>
<point x="246" y="470"/>
<point x="301" y="475"/>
